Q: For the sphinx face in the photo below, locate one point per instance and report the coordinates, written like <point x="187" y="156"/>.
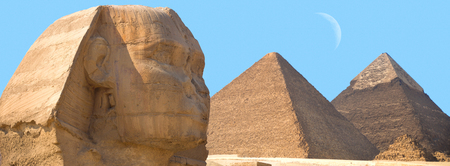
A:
<point x="161" y="97"/>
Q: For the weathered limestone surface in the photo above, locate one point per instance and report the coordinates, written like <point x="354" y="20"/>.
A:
<point x="384" y="102"/>
<point x="270" y="110"/>
<point x="36" y="86"/>
<point x="110" y="85"/>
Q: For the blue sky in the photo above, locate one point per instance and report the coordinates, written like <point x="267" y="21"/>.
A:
<point x="236" y="34"/>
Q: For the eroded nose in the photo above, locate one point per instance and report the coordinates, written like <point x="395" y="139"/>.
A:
<point x="204" y="111"/>
<point x="200" y="88"/>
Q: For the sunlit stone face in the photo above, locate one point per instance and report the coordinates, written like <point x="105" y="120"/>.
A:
<point x="162" y="99"/>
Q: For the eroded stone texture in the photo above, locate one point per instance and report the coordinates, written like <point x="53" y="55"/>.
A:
<point x="111" y="85"/>
<point x="36" y="86"/>
<point x="393" y="107"/>
<point x="270" y="110"/>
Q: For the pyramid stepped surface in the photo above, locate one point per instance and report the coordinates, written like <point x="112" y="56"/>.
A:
<point x="384" y="102"/>
<point x="270" y="110"/>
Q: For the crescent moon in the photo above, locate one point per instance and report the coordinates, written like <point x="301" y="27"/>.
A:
<point x="335" y="25"/>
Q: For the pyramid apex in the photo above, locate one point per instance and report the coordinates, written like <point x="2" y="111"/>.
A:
<point x="272" y="55"/>
<point x="383" y="70"/>
<point x="385" y="54"/>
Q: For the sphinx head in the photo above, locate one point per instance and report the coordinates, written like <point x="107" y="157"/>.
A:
<point x="146" y="69"/>
<point x="105" y="85"/>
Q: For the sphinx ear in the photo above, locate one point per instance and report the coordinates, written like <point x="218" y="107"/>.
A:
<point x="97" y="63"/>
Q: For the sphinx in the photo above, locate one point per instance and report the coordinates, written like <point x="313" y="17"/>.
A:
<point x="110" y="85"/>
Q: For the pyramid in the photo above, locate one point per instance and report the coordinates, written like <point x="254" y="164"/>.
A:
<point x="384" y="102"/>
<point x="405" y="148"/>
<point x="270" y="110"/>
<point x="442" y="157"/>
